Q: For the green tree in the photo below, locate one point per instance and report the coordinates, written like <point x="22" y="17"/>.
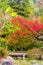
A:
<point x="22" y="7"/>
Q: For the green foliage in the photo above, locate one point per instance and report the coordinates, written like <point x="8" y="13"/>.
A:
<point x="3" y="42"/>
<point x="3" y="52"/>
<point x="8" y="28"/>
<point x="23" y="9"/>
<point x="33" y="44"/>
<point x="34" y="53"/>
<point x="4" y="4"/>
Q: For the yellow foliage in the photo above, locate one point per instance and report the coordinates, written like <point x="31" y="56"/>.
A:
<point x="41" y="18"/>
<point x="13" y="14"/>
<point x="8" y="9"/>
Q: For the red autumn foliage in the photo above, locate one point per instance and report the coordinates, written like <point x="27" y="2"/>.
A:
<point x="26" y="27"/>
<point x="34" y="26"/>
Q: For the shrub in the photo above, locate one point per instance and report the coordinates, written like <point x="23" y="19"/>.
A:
<point x="3" y="52"/>
<point x="35" y="53"/>
<point x="32" y="44"/>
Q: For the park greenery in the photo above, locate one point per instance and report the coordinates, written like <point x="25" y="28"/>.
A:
<point x="21" y="23"/>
